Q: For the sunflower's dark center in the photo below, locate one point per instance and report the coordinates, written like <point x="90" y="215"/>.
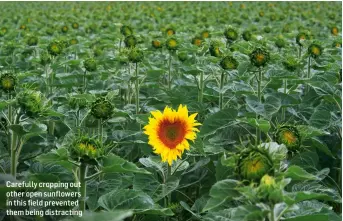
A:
<point x="171" y="134"/>
<point x="259" y="57"/>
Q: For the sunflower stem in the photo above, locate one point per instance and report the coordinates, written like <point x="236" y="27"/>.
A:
<point x="299" y="52"/>
<point x="100" y="129"/>
<point x="201" y="91"/>
<point x="308" y="72"/>
<point x="221" y="91"/>
<point x="169" y="73"/>
<point x="83" y="182"/>
<point x="137" y="89"/>
<point x="84" y="81"/>
<point x="285" y="92"/>
<point x="259" y="81"/>
<point x="168" y="175"/>
<point x="129" y="87"/>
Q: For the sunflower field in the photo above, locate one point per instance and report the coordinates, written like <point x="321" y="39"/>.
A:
<point x="173" y="111"/>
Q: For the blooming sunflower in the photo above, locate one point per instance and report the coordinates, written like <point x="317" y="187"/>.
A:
<point x="334" y="30"/>
<point x="259" y="57"/>
<point x="170" y="131"/>
<point x="7" y="82"/>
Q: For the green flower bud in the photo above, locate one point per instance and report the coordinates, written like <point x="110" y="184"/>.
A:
<point x="75" y="25"/>
<point x="32" y="41"/>
<point x="231" y="34"/>
<point x="334" y="31"/>
<point x="289" y="136"/>
<point x="73" y="41"/>
<point x="267" y="29"/>
<point x="197" y="41"/>
<point x="31" y="102"/>
<point x="253" y="164"/>
<point x="280" y="42"/>
<point x="182" y="56"/>
<point x="172" y="44"/>
<point x="247" y="35"/>
<point x="130" y="41"/>
<point x="102" y="108"/>
<point x="90" y="64"/>
<point x="291" y="63"/>
<point x="156" y="44"/>
<point x="259" y="57"/>
<point x="215" y="49"/>
<point x="64" y="29"/>
<point x="205" y="34"/>
<point x="44" y="58"/>
<point x="337" y="44"/>
<point x="7" y="82"/>
<point x="135" y="55"/>
<point x="55" y="48"/>
<point x="170" y="32"/>
<point x="3" y="31"/>
<point x="229" y="63"/>
<point x="301" y="37"/>
<point x="315" y="50"/>
<point x="126" y="30"/>
<point x="86" y="150"/>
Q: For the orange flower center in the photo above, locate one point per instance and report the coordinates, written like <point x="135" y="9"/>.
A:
<point x="334" y="31"/>
<point x="289" y="137"/>
<point x="260" y="57"/>
<point x="197" y="42"/>
<point x="171" y="134"/>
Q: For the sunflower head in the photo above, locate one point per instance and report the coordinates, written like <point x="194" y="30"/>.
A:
<point x="286" y="28"/>
<point x="215" y="49"/>
<point x="130" y="41"/>
<point x="182" y="56"/>
<point x="267" y="29"/>
<point x="90" y="64"/>
<point x="64" y="29"/>
<point x="197" y="41"/>
<point x="32" y="41"/>
<point x="172" y="44"/>
<point x="253" y="164"/>
<point x="231" y="34"/>
<point x="315" y="50"/>
<point x="135" y="55"/>
<point x="170" y="131"/>
<point x="55" y="48"/>
<point x="229" y="63"/>
<point x="170" y="31"/>
<point x="73" y="41"/>
<point x="337" y="44"/>
<point x="280" y="42"/>
<point x="269" y="190"/>
<point x="156" y="44"/>
<point x="31" y="102"/>
<point x="205" y="34"/>
<point x="22" y="27"/>
<point x="102" y="108"/>
<point x="261" y="13"/>
<point x="259" y="57"/>
<point x="291" y="63"/>
<point x="86" y="150"/>
<point x="301" y="37"/>
<point x="334" y="31"/>
<point x="44" y="58"/>
<point x="247" y="35"/>
<point x="75" y="25"/>
<point x="272" y="17"/>
<point x="126" y="30"/>
<point x="289" y="136"/>
<point x="7" y="82"/>
<point x="3" y="31"/>
<point x="77" y="102"/>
